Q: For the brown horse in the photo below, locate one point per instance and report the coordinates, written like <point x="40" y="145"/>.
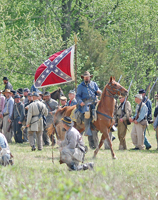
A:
<point x="105" y="112"/>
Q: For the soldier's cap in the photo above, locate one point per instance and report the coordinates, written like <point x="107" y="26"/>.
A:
<point x="5" y="78"/>
<point x="7" y="90"/>
<point x="29" y="94"/>
<point x="46" y="94"/>
<point x="141" y="91"/>
<point x="139" y="96"/>
<point x="67" y="121"/>
<point x="20" y="91"/>
<point x="35" y="94"/>
<point x="13" y="92"/>
<point x="26" y="90"/>
<point x="63" y="98"/>
<point x="17" y="96"/>
<point x="72" y="92"/>
<point x="86" y="74"/>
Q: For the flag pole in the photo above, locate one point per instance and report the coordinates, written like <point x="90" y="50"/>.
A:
<point x="75" y="39"/>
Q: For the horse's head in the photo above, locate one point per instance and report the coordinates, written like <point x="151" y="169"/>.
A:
<point x="115" y="88"/>
<point x="61" y="92"/>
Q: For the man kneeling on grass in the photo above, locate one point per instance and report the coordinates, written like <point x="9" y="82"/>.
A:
<point x="72" y="149"/>
<point x="5" y="155"/>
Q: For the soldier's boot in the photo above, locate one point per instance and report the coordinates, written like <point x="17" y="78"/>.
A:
<point x="86" y="166"/>
<point x="33" y="148"/>
<point x="72" y="166"/>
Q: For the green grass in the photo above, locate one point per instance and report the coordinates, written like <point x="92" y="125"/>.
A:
<point x="132" y="176"/>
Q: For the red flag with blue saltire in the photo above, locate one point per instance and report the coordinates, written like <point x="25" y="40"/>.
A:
<point x="56" y="70"/>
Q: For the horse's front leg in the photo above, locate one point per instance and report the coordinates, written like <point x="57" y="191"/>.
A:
<point x="110" y="144"/>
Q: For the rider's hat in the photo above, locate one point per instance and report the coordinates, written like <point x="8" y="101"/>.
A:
<point x="86" y="74"/>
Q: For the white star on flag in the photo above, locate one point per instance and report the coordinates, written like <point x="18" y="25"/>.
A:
<point x="47" y="71"/>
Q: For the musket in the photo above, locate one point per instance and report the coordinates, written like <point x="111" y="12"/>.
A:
<point x="123" y="106"/>
<point x="116" y="122"/>
<point x="140" y="105"/>
<point x="152" y="87"/>
<point x="119" y="79"/>
<point x="127" y="96"/>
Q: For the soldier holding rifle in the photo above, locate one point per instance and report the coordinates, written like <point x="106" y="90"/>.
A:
<point x="123" y="114"/>
<point x="140" y="123"/>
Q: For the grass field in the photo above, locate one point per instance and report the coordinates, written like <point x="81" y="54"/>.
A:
<point x="134" y="175"/>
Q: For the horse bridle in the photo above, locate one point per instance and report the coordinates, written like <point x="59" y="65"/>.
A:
<point x="112" y="90"/>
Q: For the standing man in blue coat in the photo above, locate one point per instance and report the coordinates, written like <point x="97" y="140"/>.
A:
<point x="149" y="116"/>
<point x="72" y="100"/>
<point x="86" y="97"/>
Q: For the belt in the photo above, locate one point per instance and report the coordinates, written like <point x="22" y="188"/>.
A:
<point x="5" y="114"/>
<point x="35" y="116"/>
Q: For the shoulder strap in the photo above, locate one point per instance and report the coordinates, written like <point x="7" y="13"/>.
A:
<point x="17" y="110"/>
<point x="49" y="106"/>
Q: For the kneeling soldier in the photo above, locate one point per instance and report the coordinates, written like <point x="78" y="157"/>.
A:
<point x="72" y="149"/>
<point x="5" y="155"/>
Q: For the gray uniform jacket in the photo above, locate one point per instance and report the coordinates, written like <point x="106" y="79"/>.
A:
<point x="73" y="139"/>
<point x="54" y="106"/>
<point x="9" y="86"/>
<point x="19" y="112"/>
<point x="36" y="124"/>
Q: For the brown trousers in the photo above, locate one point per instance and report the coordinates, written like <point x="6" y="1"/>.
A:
<point x="137" y="135"/>
<point x="38" y="138"/>
<point x="122" y="130"/>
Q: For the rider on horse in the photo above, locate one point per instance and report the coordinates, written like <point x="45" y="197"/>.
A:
<point x="86" y="96"/>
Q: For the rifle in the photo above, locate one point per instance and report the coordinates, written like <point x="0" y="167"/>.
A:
<point x="119" y="79"/>
<point x="116" y="122"/>
<point x="152" y="87"/>
<point x="140" y="105"/>
<point x="10" y="125"/>
<point x="123" y="106"/>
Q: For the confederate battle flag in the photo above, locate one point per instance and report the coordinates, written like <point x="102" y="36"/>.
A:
<point x="56" y="70"/>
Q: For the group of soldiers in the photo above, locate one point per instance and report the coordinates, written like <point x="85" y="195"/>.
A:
<point x="27" y="109"/>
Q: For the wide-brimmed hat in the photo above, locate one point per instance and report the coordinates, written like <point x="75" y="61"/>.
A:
<point x="13" y="92"/>
<point x="46" y="94"/>
<point x="63" y="98"/>
<point x="20" y="91"/>
<point x="86" y="74"/>
<point x="6" y="90"/>
<point x="141" y="91"/>
<point x="67" y="121"/>
<point x="139" y="96"/>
